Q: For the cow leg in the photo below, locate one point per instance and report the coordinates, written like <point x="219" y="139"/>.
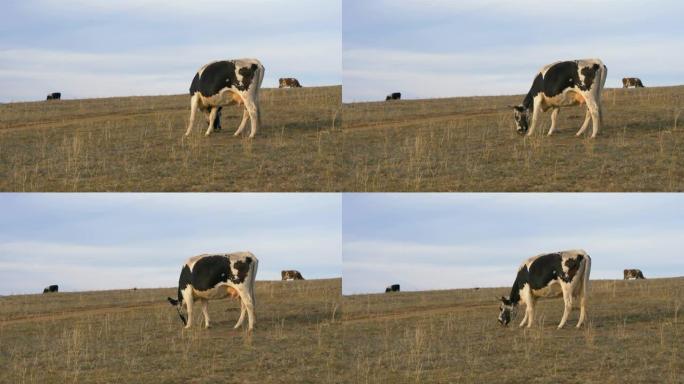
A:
<point x="243" y="123"/>
<point x="212" y="118"/>
<point x="524" y="320"/>
<point x="253" y="116"/>
<point x="567" y="299"/>
<point x="583" y="309"/>
<point x="189" y="302"/>
<point x="248" y="302"/>
<point x="530" y="316"/>
<point x="554" y="116"/>
<point x="205" y="312"/>
<point x="243" y="311"/>
<point x="217" y="122"/>
<point x="595" y="117"/>
<point x="587" y="118"/>
<point x="194" y="100"/>
<point x="536" y="111"/>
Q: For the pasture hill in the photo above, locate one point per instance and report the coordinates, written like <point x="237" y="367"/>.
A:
<point x="633" y="335"/>
<point x="137" y="144"/>
<point x="135" y="336"/>
<point x="470" y="144"/>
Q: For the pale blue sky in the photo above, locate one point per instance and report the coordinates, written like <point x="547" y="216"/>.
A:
<point x="446" y="48"/>
<point x="100" y="48"/>
<point x="113" y="240"/>
<point x="445" y="241"/>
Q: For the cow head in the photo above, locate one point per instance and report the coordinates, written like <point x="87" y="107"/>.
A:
<point x="507" y="311"/>
<point x="178" y="305"/>
<point x="521" y="116"/>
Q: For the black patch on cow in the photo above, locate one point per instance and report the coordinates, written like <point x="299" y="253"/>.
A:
<point x="573" y="266"/>
<point x="183" y="281"/>
<point x="243" y="268"/>
<point x="221" y="74"/>
<point x="209" y="271"/>
<point x="247" y="76"/>
<point x="589" y="74"/>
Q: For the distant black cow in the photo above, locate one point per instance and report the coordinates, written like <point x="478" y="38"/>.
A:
<point x="392" y="288"/>
<point x="289" y="82"/>
<point x="291" y="275"/>
<point x="633" y="274"/>
<point x="393" y="96"/>
<point x="51" y="288"/>
<point x="632" y="82"/>
<point x="54" y="96"/>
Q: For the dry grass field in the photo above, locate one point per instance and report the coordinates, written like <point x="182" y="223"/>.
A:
<point x="136" y="144"/>
<point x="470" y="144"/>
<point x="634" y="335"/>
<point x="135" y="336"/>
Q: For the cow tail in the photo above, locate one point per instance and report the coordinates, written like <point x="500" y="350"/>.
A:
<point x="585" y="280"/>
<point x="252" y="282"/>
<point x="260" y="78"/>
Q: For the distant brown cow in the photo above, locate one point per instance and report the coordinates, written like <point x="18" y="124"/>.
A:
<point x="289" y="82"/>
<point x="291" y="275"/>
<point x="633" y="274"/>
<point x="632" y="82"/>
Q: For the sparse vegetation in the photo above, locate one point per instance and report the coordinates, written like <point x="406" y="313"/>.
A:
<point x="634" y="334"/>
<point x="137" y="144"/>
<point x="470" y="144"/>
<point x="136" y="336"/>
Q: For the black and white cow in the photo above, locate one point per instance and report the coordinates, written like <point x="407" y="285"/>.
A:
<point x="392" y="288"/>
<point x="288" y="82"/>
<point x="51" y="288"/>
<point x="291" y="275"/>
<point x="216" y="276"/>
<point x="632" y="82"/>
<point x="563" y="273"/>
<point x="54" y="96"/>
<point x="224" y="83"/>
<point x="562" y="84"/>
<point x="633" y="274"/>
<point x="393" y="96"/>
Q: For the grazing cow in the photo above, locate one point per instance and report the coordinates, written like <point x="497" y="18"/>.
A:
<point x="217" y="276"/>
<point x="562" y="84"/>
<point x="632" y="82"/>
<point x="547" y="275"/>
<point x="392" y="288"/>
<point x="51" y="288"/>
<point x="54" y="96"/>
<point x="291" y="275"/>
<point x="224" y="83"/>
<point x="288" y="82"/>
<point x="393" y="96"/>
<point x="633" y="274"/>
